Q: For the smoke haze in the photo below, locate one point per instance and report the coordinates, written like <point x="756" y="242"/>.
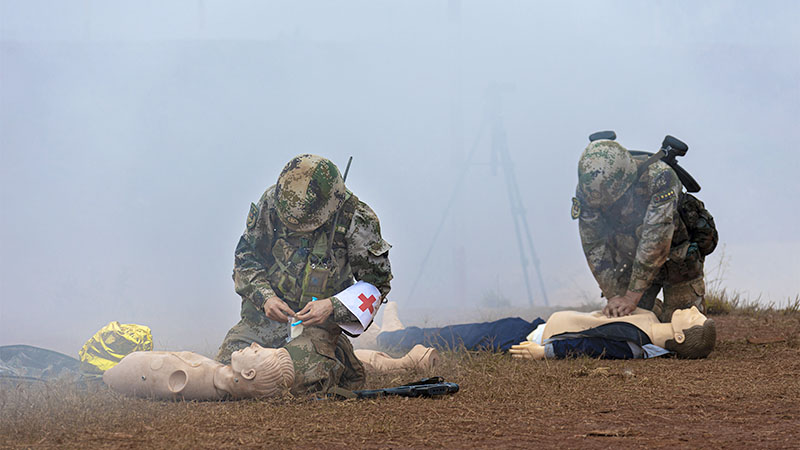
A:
<point x="134" y="136"/>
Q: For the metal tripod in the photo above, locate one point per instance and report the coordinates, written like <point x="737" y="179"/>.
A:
<point x="500" y="157"/>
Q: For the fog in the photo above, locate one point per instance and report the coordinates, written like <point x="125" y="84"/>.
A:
<point x="134" y="137"/>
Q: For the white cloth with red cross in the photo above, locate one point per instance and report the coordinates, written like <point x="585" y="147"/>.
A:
<point x="362" y="299"/>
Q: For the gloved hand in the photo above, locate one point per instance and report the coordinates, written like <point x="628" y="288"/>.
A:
<point x="527" y="350"/>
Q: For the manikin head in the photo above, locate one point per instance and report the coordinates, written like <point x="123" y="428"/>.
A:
<point x="261" y="372"/>
<point x="694" y="335"/>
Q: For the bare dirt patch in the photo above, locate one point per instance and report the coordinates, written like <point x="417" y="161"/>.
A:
<point x="747" y="394"/>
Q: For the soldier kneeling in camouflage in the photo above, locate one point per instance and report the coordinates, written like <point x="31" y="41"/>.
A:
<point x="640" y="232"/>
<point x="307" y="240"/>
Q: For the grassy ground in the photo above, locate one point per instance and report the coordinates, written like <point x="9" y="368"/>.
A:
<point x="746" y="394"/>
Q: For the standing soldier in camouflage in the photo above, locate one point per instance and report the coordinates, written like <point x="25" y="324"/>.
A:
<point x="632" y="222"/>
<point x="287" y="268"/>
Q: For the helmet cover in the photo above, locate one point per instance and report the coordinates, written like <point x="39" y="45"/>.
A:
<point x="309" y="191"/>
<point x="605" y="171"/>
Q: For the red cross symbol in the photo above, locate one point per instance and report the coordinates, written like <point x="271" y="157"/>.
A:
<point x="366" y="303"/>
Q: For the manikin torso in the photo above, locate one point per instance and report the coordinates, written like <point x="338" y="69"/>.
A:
<point x="169" y="374"/>
<point x="189" y="376"/>
<point x="659" y="333"/>
<point x="254" y="372"/>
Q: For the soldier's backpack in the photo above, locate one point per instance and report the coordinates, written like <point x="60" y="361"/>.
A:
<point x="699" y="223"/>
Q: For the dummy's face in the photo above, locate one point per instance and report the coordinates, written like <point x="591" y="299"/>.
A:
<point x="252" y="356"/>
<point x="683" y="319"/>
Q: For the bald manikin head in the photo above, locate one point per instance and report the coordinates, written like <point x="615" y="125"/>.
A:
<point x="264" y="371"/>
<point x="695" y="335"/>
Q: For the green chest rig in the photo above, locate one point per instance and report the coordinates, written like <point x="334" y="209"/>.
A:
<point x="307" y="265"/>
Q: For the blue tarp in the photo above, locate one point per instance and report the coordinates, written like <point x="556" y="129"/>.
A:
<point x="26" y="362"/>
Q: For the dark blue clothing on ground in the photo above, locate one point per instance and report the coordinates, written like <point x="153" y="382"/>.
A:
<point x="619" y="340"/>
<point x="499" y="335"/>
<point x="616" y="331"/>
<point x="593" y="348"/>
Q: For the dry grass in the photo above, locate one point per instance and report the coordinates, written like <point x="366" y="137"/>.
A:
<point x="722" y="302"/>
<point x="744" y="395"/>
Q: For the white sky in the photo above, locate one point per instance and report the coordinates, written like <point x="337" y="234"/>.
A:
<point x="134" y="135"/>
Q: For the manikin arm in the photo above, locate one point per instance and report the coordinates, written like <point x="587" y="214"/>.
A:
<point x="419" y="357"/>
<point x="527" y="350"/>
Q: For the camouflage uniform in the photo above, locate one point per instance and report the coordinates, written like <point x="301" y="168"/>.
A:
<point x="274" y="260"/>
<point x="638" y="242"/>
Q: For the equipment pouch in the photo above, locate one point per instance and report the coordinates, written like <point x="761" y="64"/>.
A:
<point x="699" y="223"/>
<point x="286" y="285"/>
<point x="315" y="281"/>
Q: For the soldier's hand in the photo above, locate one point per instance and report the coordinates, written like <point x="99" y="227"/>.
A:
<point x="622" y="305"/>
<point x="277" y="310"/>
<point x="618" y="307"/>
<point x="316" y="312"/>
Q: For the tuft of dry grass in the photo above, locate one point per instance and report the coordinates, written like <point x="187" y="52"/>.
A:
<point x="723" y="302"/>
<point x="719" y="301"/>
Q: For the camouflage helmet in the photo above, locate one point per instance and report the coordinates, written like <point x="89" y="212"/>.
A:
<point x="605" y="171"/>
<point x="309" y="191"/>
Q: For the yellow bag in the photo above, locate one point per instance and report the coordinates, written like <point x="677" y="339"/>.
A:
<point x="112" y="343"/>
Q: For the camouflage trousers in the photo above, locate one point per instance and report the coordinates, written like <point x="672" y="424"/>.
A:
<point x="323" y="357"/>
<point x="683" y="286"/>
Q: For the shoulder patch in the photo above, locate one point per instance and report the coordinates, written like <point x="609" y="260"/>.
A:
<point x="380" y="247"/>
<point x="662" y="181"/>
<point x="252" y="216"/>
<point x="663" y="197"/>
<point x="576" y="208"/>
